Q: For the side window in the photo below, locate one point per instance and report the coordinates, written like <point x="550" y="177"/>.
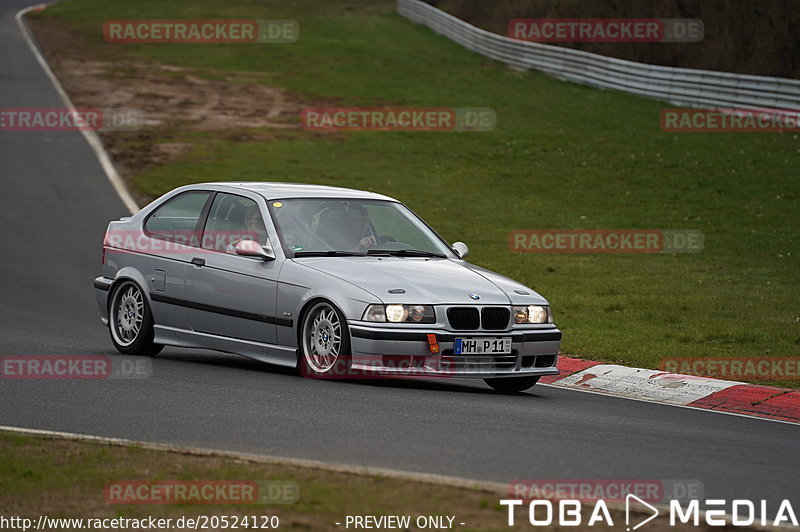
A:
<point x="233" y="218"/>
<point x="176" y="220"/>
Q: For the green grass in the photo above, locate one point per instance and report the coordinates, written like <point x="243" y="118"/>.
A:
<point x="562" y="156"/>
<point x="66" y="479"/>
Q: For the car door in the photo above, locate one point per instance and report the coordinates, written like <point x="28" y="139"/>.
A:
<point x="170" y="241"/>
<point x="227" y="294"/>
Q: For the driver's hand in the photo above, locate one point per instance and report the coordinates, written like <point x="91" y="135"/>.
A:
<point x="367" y="242"/>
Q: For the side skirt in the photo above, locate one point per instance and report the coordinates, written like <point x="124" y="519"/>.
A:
<point x="279" y="355"/>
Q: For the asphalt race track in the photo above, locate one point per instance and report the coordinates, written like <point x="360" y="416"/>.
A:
<point x="54" y="206"/>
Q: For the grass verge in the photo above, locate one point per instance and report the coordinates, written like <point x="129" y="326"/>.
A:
<point x="66" y="479"/>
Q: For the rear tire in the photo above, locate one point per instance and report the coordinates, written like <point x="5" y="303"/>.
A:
<point x="131" y="322"/>
<point x="511" y="384"/>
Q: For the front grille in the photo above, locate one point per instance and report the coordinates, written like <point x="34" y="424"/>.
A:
<point x="545" y="361"/>
<point x="463" y="318"/>
<point x="495" y="318"/>
<point x="469" y="319"/>
<point x="541" y="361"/>
<point x="477" y="362"/>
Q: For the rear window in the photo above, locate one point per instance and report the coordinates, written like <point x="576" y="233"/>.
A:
<point x="176" y="219"/>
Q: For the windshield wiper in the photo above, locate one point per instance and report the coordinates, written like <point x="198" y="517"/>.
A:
<point x="406" y="253"/>
<point x="329" y="253"/>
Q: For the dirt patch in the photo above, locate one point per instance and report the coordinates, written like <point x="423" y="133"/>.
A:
<point x="166" y="98"/>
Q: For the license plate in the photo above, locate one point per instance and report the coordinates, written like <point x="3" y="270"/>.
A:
<point x="482" y="346"/>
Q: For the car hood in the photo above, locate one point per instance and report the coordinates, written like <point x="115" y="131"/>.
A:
<point x="434" y="281"/>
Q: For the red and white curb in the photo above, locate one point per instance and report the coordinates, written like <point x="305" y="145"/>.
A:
<point x="685" y="390"/>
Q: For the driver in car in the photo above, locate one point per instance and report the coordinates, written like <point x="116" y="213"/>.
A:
<point x="359" y="226"/>
<point x="346" y="227"/>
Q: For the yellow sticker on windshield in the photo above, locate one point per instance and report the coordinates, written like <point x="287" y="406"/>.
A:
<point x="277" y="204"/>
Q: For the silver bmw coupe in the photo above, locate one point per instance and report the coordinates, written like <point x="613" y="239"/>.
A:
<point x="332" y="281"/>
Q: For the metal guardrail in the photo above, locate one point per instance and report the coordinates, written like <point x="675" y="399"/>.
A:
<point x="680" y="86"/>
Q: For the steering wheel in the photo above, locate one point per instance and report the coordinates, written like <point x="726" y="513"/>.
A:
<point x="383" y="239"/>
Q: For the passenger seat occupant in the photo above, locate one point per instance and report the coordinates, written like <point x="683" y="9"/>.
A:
<point x="252" y="228"/>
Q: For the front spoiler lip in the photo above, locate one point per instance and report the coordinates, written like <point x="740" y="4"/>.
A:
<point x="371" y="344"/>
<point x="421" y="335"/>
<point x="423" y="372"/>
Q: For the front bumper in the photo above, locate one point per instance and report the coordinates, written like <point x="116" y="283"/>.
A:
<point x="407" y="351"/>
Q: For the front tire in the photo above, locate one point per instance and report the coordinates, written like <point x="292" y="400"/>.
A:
<point x="131" y="322"/>
<point x="324" y="343"/>
<point x="511" y="384"/>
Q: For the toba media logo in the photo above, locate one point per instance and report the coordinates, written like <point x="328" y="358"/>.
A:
<point x="716" y="512"/>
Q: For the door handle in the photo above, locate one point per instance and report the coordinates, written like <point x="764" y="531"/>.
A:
<point x="197" y="261"/>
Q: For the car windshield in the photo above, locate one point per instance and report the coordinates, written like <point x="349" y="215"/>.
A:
<point x="347" y="227"/>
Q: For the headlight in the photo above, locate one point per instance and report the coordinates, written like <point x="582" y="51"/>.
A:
<point x="532" y="314"/>
<point x="396" y="313"/>
<point x="400" y="314"/>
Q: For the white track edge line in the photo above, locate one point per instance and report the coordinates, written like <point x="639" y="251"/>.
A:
<point x="91" y="137"/>
<point x="429" y="478"/>
<point x="657" y="402"/>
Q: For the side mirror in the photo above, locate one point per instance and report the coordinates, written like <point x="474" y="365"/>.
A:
<point x="461" y="249"/>
<point x="251" y="248"/>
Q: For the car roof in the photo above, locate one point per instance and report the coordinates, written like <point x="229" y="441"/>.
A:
<point x="277" y="190"/>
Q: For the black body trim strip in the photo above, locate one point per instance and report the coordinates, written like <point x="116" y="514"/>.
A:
<point x="283" y="322"/>
<point x="103" y="283"/>
<point x="396" y="336"/>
